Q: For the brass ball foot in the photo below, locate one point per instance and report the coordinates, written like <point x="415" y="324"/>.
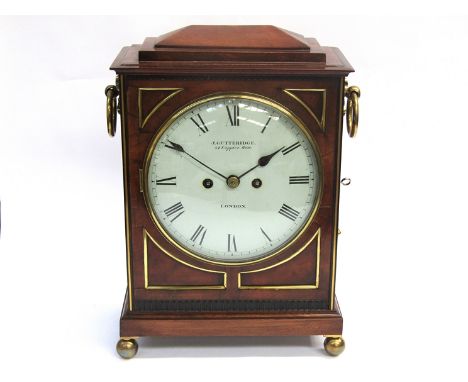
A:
<point x="127" y="348"/>
<point x="334" y="345"/>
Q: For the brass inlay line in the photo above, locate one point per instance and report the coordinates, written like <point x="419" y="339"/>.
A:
<point x="146" y="235"/>
<point x="140" y="178"/>
<point x="125" y="181"/>
<point x="142" y="122"/>
<point x="337" y="196"/>
<point x="249" y="96"/>
<point x="321" y="121"/>
<point x="315" y="285"/>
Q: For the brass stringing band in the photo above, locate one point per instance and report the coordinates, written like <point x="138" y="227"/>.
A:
<point x="147" y="236"/>
<point x="337" y="198"/>
<point x="143" y="120"/>
<point x="240" y="285"/>
<point x="314" y="285"/>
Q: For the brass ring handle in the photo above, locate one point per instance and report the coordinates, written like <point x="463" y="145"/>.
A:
<point x="352" y="109"/>
<point x="111" y="108"/>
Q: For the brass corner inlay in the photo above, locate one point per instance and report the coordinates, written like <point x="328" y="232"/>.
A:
<point x="146" y="235"/>
<point x="315" y="285"/>
<point x="142" y="121"/>
<point x="320" y="121"/>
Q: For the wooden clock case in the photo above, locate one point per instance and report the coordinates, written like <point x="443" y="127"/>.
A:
<point x="172" y="293"/>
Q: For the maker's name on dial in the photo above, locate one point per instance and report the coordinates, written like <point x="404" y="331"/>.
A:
<point x="232" y="145"/>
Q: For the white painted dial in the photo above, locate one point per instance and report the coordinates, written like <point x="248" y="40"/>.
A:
<point x="232" y="179"/>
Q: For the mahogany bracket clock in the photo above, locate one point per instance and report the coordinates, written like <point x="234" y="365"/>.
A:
<point x="231" y="144"/>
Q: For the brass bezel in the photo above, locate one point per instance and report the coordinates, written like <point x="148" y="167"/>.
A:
<point x="241" y="95"/>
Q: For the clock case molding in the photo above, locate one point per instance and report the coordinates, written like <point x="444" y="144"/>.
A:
<point x="173" y="293"/>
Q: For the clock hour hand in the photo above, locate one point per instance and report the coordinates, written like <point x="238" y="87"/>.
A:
<point x="263" y="161"/>
<point x="177" y="147"/>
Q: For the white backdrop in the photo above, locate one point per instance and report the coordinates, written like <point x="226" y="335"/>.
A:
<point x="402" y="254"/>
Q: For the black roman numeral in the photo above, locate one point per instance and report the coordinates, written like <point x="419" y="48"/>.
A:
<point x="177" y="208"/>
<point x="201" y="124"/>
<point x="294" y="146"/>
<point x="266" y="124"/>
<point x="289" y="212"/>
<point x="232" y="243"/>
<point x="199" y="231"/>
<point x="166" y="181"/>
<point x="264" y="234"/>
<point x="234" y="116"/>
<point x="299" y="179"/>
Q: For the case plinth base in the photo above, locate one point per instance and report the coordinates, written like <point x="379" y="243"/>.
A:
<point x="328" y="323"/>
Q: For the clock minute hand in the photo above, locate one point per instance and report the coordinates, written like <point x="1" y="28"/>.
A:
<point x="263" y="161"/>
<point x="177" y="147"/>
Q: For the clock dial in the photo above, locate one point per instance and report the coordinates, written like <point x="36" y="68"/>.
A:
<point x="232" y="179"/>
